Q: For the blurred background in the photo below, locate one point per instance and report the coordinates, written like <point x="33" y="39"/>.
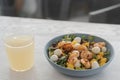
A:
<point x="94" y="11"/>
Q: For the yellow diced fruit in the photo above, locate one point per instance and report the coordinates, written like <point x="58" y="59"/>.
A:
<point x="101" y="53"/>
<point x="92" y="60"/>
<point x="70" y="66"/>
<point x="99" y="57"/>
<point x="103" y="60"/>
<point x="86" y="44"/>
<point x="74" y="42"/>
<point x="102" y="63"/>
<point x="78" y="68"/>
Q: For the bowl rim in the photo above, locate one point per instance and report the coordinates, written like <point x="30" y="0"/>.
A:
<point x="46" y="53"/>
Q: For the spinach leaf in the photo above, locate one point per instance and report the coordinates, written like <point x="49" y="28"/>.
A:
<point x="69" y="37"/>
<point x="90" y="38"/>
<point x="62" y="61"/>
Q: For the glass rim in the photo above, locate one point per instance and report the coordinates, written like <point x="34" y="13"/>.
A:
<point x="30" y="41"/>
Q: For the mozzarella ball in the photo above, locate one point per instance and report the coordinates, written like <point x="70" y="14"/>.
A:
<point x="77" y="39"/>
<point x="76" y="52"/>
<point x="75" y="46"/>
<point x="58" y="52"/>
<point x="104" y="49"/>
<point x="54" y="57"/>
<point x="77" y="64"/>
<point x="96" y="50"/>
<point x="94" y="65"/>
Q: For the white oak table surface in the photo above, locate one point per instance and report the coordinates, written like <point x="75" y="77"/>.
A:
<point x="44" y="31"/>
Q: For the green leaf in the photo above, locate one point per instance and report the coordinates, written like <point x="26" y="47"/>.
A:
<point x="107" y="55"/>
<point x="72" y="37"/>
<point x="90" y="38"/>
<point x="50" y="53"/>
<point x="51" y="49"/>
<point x="108" y="52"/>
<point x="94" y="56"/>
<point x="83" y="37"/>
<point x="62" y="61"/>
<point x="68" y="37"/>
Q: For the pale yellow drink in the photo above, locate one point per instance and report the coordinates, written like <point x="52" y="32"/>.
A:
<point x="20" y="50"/>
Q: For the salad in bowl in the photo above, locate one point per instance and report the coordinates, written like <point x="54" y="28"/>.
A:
<point x="79" y="53"/>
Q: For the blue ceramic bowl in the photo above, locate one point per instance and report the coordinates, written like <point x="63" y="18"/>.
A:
<point x="78" y="73"/>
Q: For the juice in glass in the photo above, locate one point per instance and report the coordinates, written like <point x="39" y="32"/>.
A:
<point x="20" y="50"/>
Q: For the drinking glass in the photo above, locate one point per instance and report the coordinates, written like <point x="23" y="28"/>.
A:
<point x="19" y="47"/>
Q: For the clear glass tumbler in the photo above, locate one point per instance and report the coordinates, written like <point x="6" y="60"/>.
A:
<point x="20" y="50"/>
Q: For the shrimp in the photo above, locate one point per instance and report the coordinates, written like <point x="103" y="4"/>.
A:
<point x="67" y="47"/>
<point x="61" y="44"/>
<point x="83" y="54"/>
<point x="90" y="55"/>
<point x="86" y="63"/>
<point x="100" y="44"/>
<point x="73" y="58"/>
<point x="82" y="48"/>
<point x="76" y="53"/>
<point x="86" y="55"/>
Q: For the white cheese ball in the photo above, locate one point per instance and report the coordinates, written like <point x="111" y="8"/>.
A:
<point x="75" y="46"/>
<point x="77" y="39"/>
<point x="76" y="52"/>
<point x="77" y="64"/>
<point x="96" y="50"/>
<point x="104" y="49"/>
<point x="95" y="65"/>
<point x="54" y="57"/>
<point x="58" y="52"/>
